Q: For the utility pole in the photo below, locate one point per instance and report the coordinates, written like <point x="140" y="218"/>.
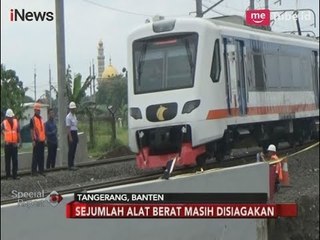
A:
<point x="90" y="82"/>
<point x="251" y="4"/>
<point x="61" y="68"/>
<point x="297" y="18"/>
<point x="94" y="82"/>
<point x="199" y="8"/>
<point x="50" y="100"/>
<point x="266" y="4"/>
<point x="35" y="84"/>
<point x="297" y="22"/>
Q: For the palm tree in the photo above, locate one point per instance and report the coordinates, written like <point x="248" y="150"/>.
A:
<point x="79" y="92"/>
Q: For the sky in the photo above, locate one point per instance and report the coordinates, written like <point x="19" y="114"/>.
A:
<point x="27" y="47"/>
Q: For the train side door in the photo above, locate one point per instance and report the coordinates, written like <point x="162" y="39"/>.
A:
<point x="231" y="73"/>
<point x="315" y="78"/>
<point x="241" y="78"/>
<point x="227" y="74"/>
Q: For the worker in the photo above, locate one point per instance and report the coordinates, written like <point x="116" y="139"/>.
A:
<point x="72" y="131"/>
<point x="52" y="140"/>
<point x="11" y="134"/>
<point x="38" y="136"/>
<point x="272" y="156"/>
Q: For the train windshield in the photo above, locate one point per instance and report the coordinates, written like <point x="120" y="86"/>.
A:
<point x="164" y="63"/>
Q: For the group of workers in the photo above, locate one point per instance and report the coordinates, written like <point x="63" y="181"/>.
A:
<point x="42" y="134"/>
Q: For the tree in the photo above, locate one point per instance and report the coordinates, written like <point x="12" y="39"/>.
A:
<point x="27" y="99"/>
<point x="79" y="92"/>
<point x="12" y="92"/>
<point x="78" y="95"/>
<point x="113" y="92"/>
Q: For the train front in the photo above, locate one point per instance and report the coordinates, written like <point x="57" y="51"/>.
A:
<point x="163" y="96"/>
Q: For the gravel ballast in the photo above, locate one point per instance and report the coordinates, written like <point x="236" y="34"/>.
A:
<point x="304" y="190"/>
<point x="63" y="179"/>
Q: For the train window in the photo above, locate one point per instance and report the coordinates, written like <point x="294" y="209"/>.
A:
<point x="306" y="69"/>
<point x="216" y="65"/>
<point x="249" y="69"/>
<point x="297" y="78"/>
<point x="272" y="71"/>
<point x="285" y="71"/>
<point x="259" y="72"/>
<point x="164" y="63"/>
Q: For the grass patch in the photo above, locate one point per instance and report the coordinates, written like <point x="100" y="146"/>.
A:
<point x="102" y="136"/>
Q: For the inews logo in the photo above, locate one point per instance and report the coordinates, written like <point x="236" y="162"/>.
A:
<point x="258" y="17"/>
<point x="23" y="15"/>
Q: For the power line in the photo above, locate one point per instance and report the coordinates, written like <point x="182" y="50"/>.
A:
<point x="213" y="6"/>
<point x="215" y="11"/>
<point x="128" y="12"/>
<point x="35" y="84"/>
<point x="118" y="10"/>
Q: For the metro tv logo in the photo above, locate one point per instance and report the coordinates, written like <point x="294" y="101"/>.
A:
<point x="257" y="17"/>
<point x="23" y="15"/>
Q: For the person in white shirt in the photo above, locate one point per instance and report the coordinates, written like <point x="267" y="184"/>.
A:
<point x="72" y="130"/>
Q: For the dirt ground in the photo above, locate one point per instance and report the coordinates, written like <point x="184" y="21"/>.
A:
<point x="304" y="190"/>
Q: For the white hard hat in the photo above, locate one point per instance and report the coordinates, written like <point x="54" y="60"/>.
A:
<point x="72" y="105"/>
<point x="272" y="148"/>
<point x="9" y="113"/>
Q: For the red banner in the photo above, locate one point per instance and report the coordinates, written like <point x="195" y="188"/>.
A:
<point x="103" y="210"/>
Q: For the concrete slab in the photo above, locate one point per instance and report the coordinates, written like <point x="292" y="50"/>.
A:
<point x="47" y="222"/>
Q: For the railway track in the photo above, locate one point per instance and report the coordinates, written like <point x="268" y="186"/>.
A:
<point x="120" y="159"/>
<point x="211" y="164"/>
<point x="94" y="186"/>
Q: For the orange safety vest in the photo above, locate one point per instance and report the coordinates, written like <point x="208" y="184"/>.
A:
<point x="10" y="133"/>
<point x="278" y="166"/>
<point x="38" y="129"/>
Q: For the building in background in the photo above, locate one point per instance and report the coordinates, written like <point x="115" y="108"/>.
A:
<point x="104" y="72"/>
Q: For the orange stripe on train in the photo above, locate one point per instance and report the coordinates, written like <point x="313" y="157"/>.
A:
<point x="224" y="113"/>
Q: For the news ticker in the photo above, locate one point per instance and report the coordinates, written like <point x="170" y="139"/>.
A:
<point x="176" y="205"/>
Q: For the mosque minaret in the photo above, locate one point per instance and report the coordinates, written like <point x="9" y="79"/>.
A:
<point x="104" y="72"/>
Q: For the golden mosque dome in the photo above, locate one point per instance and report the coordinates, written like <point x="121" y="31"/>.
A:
<point x="109" y="72"/>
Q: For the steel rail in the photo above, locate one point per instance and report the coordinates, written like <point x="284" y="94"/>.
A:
<point x="211" y="164"/>
<point x="126" y="158"/>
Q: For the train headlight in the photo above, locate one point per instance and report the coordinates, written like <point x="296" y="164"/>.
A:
<point x="190" y="106"/>
<point x="135" y="113"/>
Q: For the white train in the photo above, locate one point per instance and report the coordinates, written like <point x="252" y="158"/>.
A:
<point x="198" y="86"/>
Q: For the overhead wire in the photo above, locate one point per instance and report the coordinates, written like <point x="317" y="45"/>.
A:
<point x="213" y="10"/>
<point x="117" y="10"/>
<point x="127" y="12"/>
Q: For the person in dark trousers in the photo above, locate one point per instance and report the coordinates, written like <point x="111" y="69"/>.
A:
<point x="72" y="130"/>
<point x="38" y="136"/>
<point x="52" y="140"/>
<point x="11" y="134"/>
